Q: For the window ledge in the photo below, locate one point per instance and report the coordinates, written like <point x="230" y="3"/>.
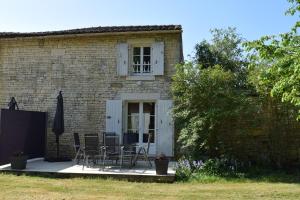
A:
<point x="141" y="78"/>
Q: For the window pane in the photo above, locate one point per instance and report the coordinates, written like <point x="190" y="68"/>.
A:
<point x="146" y="69"/>
<point x="133" y="108"/>
<point x="152" y="121"/>
<point x="145" y="137"/>
<point x="136" y="60"/>
<point x="146" y="50"/>
<point x="136" y="51"/>
<point x="146" y="59"/>
<point x="149" y="107"/>
<point x="148" y="122"/>
<point x="133" y="131"/>
<point x="133" y="117"/>
<point x="133" y="122"/>
<point x="137" y="69"/>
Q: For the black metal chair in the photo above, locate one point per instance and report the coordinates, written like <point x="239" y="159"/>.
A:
<point x="77" y="148"/>
<point x="111" y="147"/>
<point x="128" y="148"/>
<point x="91" y="149"/>
<point x="143" y="153"/>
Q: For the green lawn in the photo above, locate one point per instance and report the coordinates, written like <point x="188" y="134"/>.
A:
<point x="28" y="187"/>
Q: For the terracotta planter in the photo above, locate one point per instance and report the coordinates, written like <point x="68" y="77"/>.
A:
<point x="161" y="166"/>
<point x="18" y="162"/>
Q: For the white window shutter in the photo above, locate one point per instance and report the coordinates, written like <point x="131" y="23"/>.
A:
<point x="114" y="116"/>
<point x="122" y="59"/>
<point x="157" y="58"/>
<point x="165" y="125"/>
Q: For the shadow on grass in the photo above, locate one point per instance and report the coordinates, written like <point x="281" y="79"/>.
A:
<point x="253" y="175"/>
<point x="127" y="178"/>
<point x="274" y="176"/>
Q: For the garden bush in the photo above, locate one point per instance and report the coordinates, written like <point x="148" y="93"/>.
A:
<point x="224" y="167"/>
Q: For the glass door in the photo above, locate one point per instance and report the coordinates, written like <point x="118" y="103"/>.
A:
<point x="133" y="121"/>
<point x="148" y="125"/>
<point x="141" y="121"/>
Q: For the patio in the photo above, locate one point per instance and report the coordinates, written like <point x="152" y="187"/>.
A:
<point x="141" y="172"/>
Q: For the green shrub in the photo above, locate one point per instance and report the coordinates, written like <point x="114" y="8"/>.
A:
<point x="186" y="169"/>
<point x="205" y="100"/>
<point x="183" y="170"/>
<point x="218" y="167"/>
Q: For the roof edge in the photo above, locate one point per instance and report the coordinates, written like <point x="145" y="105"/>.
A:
<point x="97" y="30"/>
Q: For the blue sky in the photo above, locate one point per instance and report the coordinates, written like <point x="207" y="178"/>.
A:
<point x="252" y="18"/>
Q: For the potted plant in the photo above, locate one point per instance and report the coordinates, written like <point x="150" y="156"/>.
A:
<point x="161" y="164"/>
<point x="18" y="160"/>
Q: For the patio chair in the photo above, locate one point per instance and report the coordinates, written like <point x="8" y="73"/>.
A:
<point x="128" y="148"/>
<point x="91" y="149"/>
<point x="77" y="148"/>
<point x="143" y="152"/>
<point x="111" y="147"/>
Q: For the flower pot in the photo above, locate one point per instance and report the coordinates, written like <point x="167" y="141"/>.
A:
<point x="161" y="166"/>
<point x="18" y="162"/>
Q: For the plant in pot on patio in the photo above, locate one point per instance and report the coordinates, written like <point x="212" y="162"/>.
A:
<point x="18" y="160"/>
<point x="161" y="164"/>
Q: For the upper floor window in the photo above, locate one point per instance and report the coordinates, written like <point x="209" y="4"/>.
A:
<point x="141" y="63"/>
<point x="147" y="59"/>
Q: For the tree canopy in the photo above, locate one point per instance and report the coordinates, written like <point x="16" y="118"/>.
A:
<point x="276" y="60"/>
<point x="225" y="50"/>
<point x="215" y="111"/>
<point x="206" y="94"/>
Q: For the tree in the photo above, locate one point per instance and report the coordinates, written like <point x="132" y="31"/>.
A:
<point x="224" y="50"/>
<point x="276" y="60"/>
<point x="215" y="116"/>
<point x="205" y="55"/>
<point x="208" y="93"/>
<point x="204" y="100"/>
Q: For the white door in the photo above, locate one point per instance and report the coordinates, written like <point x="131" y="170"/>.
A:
<point x="114" y="116"/>
<point x="165" y="127"/>
<point x="141" y="121"/>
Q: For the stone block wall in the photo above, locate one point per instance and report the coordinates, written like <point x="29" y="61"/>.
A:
<point x="34" y="69"/>
<point x="268" y="135"/>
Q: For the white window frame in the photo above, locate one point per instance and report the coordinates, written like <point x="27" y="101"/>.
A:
<point x="142" y="64"/>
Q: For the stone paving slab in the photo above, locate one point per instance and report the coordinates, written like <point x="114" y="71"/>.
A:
<point x="141" y="172"/>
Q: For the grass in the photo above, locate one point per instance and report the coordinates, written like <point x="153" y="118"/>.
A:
<point x="32" y="187"/>
<point x="268" y="176"/>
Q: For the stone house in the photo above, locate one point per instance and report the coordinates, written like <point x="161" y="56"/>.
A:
<point x="113" y="79"/>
